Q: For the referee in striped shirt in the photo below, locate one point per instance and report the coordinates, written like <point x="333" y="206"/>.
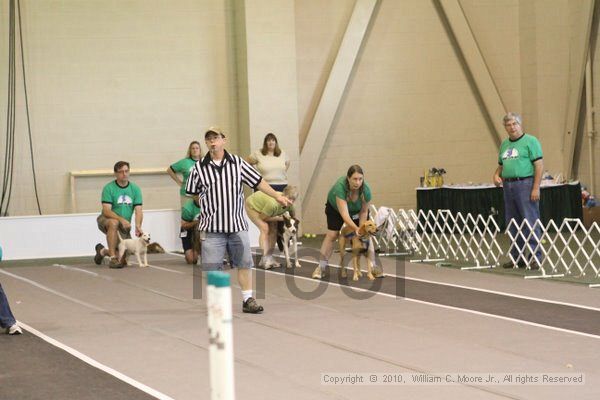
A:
<point x="217" y="179"/>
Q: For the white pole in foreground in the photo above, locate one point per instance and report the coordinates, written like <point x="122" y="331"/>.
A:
<point x="220" y="333"/>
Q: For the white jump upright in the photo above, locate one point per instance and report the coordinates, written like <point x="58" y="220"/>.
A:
<point x="431" y="227"/>
<point x="391" y="238"/>
<point x="220" y="333"/>
<point x="458" y="237"/>
<point x="568" y="249"/>
<point x="476" y="239"/>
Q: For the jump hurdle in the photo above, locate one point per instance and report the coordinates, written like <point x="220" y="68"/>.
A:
<point x="391" y="232"/>
<point x="568" y="249"/>
<point x="458" y="237"/>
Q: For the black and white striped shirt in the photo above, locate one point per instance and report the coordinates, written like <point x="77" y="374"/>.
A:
<point x="221" y="194"/>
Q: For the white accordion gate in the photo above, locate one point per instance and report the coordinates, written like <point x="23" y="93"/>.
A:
<point x="568" y="249"/>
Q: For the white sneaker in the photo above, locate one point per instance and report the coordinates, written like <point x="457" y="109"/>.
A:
<point x="15" y="329"/>
<point x="265" y="263"/>
<point x="317" y="273"/>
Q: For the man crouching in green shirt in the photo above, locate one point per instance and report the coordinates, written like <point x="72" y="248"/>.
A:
<point x="120" y="198"/>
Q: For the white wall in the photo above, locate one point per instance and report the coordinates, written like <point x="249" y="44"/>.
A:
<point x="73" y="235"/>
<point x="115" y="80"/>
<point x="139" y="79"/>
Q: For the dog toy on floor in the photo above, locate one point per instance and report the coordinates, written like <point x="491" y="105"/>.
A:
<point x="155" y="248"/>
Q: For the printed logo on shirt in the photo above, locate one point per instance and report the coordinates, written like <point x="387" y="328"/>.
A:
<point x="510" y="153"/>
<point x="124" y="199"/>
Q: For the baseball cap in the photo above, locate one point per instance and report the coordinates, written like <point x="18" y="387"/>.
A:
<point x="212" y="131"/>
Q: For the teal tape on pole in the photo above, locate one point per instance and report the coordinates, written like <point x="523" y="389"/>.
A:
<point x="218" y="279"/>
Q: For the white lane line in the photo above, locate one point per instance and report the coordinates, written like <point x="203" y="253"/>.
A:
<point x="59" y="294"/>
<point x="121" y="281"/>
<point x="97" y="364"/>
<point x="164" y="269"/>
<point x="462" y="309"/>
<point x="518" y="296"/>
<point x="520" y="321"/>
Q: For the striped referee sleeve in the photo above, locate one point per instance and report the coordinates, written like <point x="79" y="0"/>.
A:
<point x="192" y="185"/>
<point x="250" y="176"/>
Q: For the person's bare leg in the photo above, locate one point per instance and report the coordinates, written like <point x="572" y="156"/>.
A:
<point x="327" y="245"/>
<point x="190" y="256"/>
<point x="111" y="238"/>
<point x="244" y="276"/>
<point x="263" y="227"/>
<point x="326" y="251"/>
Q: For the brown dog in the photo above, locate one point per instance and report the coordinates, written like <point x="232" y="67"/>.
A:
<point x="360" y="245"/>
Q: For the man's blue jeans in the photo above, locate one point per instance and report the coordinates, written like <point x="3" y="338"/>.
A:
<point x="518" y="205"/>
<point x="216" y="245"/>
<point x="7" y="318"/>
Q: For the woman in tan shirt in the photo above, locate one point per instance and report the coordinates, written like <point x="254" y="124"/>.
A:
<point x="271" y="162"/>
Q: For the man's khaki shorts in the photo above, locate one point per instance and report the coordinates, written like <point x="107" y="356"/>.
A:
<point x="102" y="222"/>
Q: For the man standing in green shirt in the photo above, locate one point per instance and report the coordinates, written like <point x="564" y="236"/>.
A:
<point x="519" y="171"/>
<point x="120" y="199"/>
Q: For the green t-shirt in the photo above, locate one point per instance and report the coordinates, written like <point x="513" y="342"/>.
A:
<point x="265" y="204"/>
<point x="517" y="157"/>
<point x="122" y="199"/>
<point x="190" y="211"/>
<point x="184" y="167"/>
<point x="339" y="190"/>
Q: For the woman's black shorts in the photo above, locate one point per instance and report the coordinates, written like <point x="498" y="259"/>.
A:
<point x="334" y="218"/>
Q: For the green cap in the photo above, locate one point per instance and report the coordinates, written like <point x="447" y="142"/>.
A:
<point x="218" y="279"/>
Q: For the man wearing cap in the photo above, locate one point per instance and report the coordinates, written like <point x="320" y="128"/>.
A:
<point x="519" y="171"/>
<point x="217" y="179"/>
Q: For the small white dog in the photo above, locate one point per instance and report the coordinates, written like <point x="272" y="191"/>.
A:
<point x="137" y="246"/>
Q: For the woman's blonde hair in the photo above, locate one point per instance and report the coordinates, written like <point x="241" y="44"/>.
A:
<point x="291" y="192"/>
<point x="189" y="150"/>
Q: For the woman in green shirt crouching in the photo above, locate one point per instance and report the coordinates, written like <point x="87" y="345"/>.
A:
<point x="347" y="202"/>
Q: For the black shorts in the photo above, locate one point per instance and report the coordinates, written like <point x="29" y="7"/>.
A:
<point x="334" y="218"/>
<point x="187" y="240"/>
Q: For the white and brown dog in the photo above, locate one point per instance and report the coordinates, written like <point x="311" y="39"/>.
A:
<point x="360" y="245"/>
<point x="137" y="246"/>
<point x="287" y="233"/>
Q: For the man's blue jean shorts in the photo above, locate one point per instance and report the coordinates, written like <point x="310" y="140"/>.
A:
<point x="216" y="245"/>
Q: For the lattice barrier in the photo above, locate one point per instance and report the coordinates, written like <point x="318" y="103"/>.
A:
<point x="465" y="238"/>
<point x="568" y="249"/>
<point x="437" y="236"/>
<point x="397" y="231"/>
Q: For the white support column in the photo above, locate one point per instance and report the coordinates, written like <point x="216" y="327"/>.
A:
<point x="579" y="45"/>
<point x="334" y="90"/>
<point x="477" y="67"/>
<point x="267" y="77"/>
